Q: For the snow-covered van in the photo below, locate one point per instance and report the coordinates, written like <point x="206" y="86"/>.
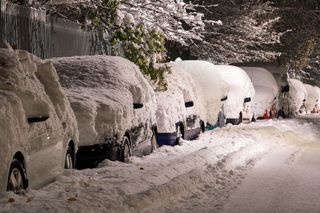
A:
<point x="297" y="96"/>
<point x="266" y="91"/>
<point x="114" y="106"/>
<point x="180" y="112"/>
<point x="312" y="98"/>
<point x="212" y="88"/>
<point x="237" y="107"/>
<point x="38" y="129"/>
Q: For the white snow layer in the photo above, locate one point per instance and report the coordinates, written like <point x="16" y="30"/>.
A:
<point x="297" y="93"/>
<point x="211" y="84"/>
<point x="171" y="103"/>
<point x="266" y="89"/>
<point x="102" y="90"/>
<point x="312" y="97"/>
<point x="30" y="88"/>
<point x="171" y="179"/>
<point x="240" y="87"/>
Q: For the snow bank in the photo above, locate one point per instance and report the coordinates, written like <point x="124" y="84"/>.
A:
<point x="266" y="89"/>
<point x="240" y="87"/>
<point x="102" y="90"/>
<point x="30" y="88"/>
<point x="171" y="103"/>
<point x="172" y="179"/>
<point x="297" y="93"/>
<point x="212" y="87"/>
<point x="312" y="97"/>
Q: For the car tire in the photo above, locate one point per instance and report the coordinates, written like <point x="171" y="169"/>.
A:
<point x="17" y="177"/>
<point x="69" y="160"/>
<point x="202" y="126"/>
<point x="126" y="150"/>
<point x="154" y="141"/>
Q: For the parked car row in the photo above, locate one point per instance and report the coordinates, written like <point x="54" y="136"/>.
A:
<point x="69" y="112"/>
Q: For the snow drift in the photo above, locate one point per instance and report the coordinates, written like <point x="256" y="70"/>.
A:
<point x="266" y="89"/>
<point x="240" y="87"/>
<point x="211" y="84"/>
<point x="102" y="90"/>
<point x="29" y="88"/>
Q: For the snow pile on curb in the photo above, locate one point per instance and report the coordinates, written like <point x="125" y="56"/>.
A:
<point x="154" y="183"/>
<point x="102" y="90"/>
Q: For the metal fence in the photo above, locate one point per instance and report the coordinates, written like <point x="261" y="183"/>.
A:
<point x="45" y="36"/>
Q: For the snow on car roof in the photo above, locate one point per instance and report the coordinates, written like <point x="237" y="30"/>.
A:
<point x="261" y="77"/>
<point x="102" y="90"/>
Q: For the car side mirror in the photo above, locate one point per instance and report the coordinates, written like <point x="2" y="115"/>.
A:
<point x="188" y="104"/>
<point x="37" y="119"/>
<point x="137" y="106"/>
<point x="224" y="98"/>
<point x="248" y="99"/>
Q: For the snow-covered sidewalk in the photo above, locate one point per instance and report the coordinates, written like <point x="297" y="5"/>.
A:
<point x="198" y="176"/>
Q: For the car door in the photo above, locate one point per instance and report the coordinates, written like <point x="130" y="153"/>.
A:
<point x="45" y="150"/>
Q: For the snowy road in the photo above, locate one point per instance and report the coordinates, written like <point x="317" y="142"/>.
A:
<point x="269" y="166"/>
<point x="283" y="181"/>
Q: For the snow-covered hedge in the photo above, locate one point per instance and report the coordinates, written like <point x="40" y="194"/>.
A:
<point x="297" y="93"/>
<point x="211" y="84"/>
<point x="29" y="88"/>
<point x="102" y="90"/>
<point x="240" y="87"/>
<point x="171" y="103"/>
<point x="266" y="89"/>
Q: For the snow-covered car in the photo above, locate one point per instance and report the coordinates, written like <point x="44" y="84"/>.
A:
<point x="266" y="91"/>
<point x="180" y="109"/>
<point x="38" y="129"/>
<point x="114" y="104"/>
<point x="213" y="89"/>
<point x="297" y="96"/>
<point x="312" y="98"/>
<point x="237" y="107"/>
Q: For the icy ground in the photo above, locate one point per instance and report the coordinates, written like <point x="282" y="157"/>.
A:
<point x="267" y="166"/>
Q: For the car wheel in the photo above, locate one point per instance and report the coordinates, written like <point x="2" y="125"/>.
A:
<point x="17" y="179"/>
<point x="69" y="160"/>
<point x="202" y="127"/>
<point x="154" y="142"/>
<point x="126" y="151"/>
